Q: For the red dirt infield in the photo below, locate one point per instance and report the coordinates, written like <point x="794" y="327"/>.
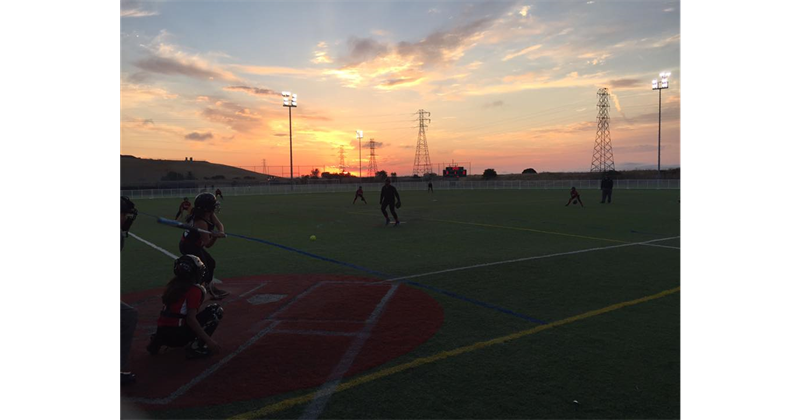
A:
<point x="280" y="333"/>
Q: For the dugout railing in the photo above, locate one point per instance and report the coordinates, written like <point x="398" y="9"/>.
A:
<point x="438" y="185"/>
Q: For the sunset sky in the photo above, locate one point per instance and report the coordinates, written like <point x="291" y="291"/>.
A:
<point x="509" y="85"/>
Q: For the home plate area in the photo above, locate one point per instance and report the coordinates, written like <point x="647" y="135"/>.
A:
<point x="280" y="333"/>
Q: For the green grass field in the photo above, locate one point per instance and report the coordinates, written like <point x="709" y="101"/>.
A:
<point x="623" y="362"/>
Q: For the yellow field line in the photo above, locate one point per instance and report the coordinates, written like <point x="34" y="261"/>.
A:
<point x="291" y="402"/>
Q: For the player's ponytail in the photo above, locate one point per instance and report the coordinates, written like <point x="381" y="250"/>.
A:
<point x="176" y="289"/>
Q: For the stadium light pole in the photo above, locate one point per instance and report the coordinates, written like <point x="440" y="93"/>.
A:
<point x="659" y="86"/>
<point x="290" y="101"/>
<point x="359" y="135"/>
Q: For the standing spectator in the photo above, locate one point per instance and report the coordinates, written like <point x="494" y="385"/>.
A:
<point x="606" y="185"/>
<point x="430" y="187"/>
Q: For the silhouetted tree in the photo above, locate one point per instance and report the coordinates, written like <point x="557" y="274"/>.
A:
<point x="529" y="171"/>
<point x="489" y="173"/>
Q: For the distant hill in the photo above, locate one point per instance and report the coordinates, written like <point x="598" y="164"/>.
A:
<point x="136" y="172"/>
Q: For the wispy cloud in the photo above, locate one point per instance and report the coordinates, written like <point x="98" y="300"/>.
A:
<point x="195" y="136"/>
<point x="627" y="83"/>
<point x="253" y="90"/>
<point x="132" y="95"/>
<point x="321" y="54"/>
<point x="166" y="65"/>
<point x="494" y="104"/>
<point x="135" y="13"/>
<point x="532" y="81"/>
<point x="405" y="64"/>
<point x="276" y="71"/>
<point x="164" y="58"/>
<point x="235" y="116"/>
<point x="522" y="52"/>
<point x="674" y="39"/>
<point x="134" y="9"/>
<point x="400" y="81"/>
<point x="595" y="58"/>
<point x="364" y="49"/>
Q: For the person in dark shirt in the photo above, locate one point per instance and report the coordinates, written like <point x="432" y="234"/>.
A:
<point x="196" y="243"/>
<point x="430" y="187"/>
<point x="128" y="315"/>
<point x="606" y="185"/>
<point x="218" y="194"/>
<point x="388" y="196"/>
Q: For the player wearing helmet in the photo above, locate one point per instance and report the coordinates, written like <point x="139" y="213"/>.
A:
<point x="204" y="217"/>
<point x="181" y="323"/>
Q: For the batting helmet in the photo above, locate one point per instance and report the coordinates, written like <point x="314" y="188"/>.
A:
<point x="206" y="202"/>
<point x="190" y="266"/>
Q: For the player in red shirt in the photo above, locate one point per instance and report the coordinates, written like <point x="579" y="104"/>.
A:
<point x="182" y="323"/>
<point x="574" y="197"/>
<point x="184" y="209"/>
<point x="359" y="193"/>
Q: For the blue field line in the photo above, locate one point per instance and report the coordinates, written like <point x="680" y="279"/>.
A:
<point x="308" y="254"/>
<point x="382" y="275"/>
<point x="387" y="276"/>
<point x="477" y="302"/>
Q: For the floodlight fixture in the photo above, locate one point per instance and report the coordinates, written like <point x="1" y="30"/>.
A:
<point x="659" y="86"/>
<point x="290" y="101"/>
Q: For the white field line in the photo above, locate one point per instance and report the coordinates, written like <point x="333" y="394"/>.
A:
<point x="213" y="368"/>
<point x="169" y="254"/>
<point x="538" y="257"/>
<point x="317" y="406"/>
<point x="662" y="246"/>
<point x="154" y="246"/>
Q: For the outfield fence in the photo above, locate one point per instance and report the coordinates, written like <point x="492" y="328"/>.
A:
<point x="268" y="189"/>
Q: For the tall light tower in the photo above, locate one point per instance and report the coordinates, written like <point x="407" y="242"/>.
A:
<point x="290" y="101"/>
<point x="359" y="135"/>
<point x="659" y="86"/>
